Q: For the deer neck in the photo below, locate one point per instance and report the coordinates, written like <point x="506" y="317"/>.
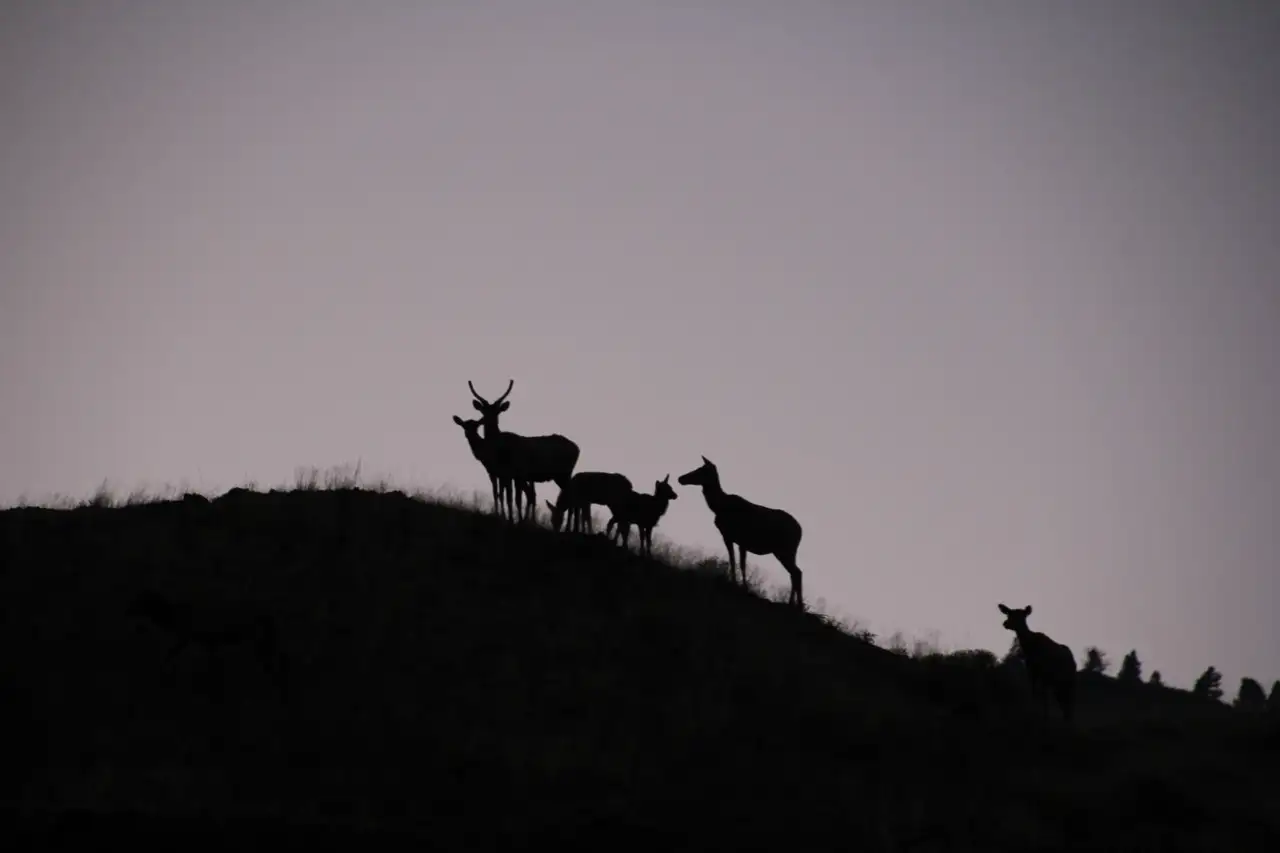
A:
<point x="713" y="494"/>
<point x="489" y="426"/>
<point x="1026" y="639"/>
<point x="478" y="447"/>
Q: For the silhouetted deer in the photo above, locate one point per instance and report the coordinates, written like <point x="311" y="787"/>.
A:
<point x="528" y="460"/>
<point x="1051" y="666"/>
<point x="753" y="528"/>
<point x="480" y="449"/>
<point x="583" y="490"/>
<point x="211" y="628"/>
<point x="643" y="511"/>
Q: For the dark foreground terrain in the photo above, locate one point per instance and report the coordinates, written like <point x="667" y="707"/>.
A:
<point x="448" y="680"/>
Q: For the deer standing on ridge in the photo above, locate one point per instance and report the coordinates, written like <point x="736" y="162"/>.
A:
<point x="585" y="489"/>
<point x="500" y="483"/>
<point x="643" y="511"/>
<point x="753" y="528"/>
<point x="526" y="459"/>
<point x="1051" y="666"/>
<point x="212" y="628"/>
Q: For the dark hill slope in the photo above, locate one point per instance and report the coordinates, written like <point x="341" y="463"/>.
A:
<point x="448" y="675"/>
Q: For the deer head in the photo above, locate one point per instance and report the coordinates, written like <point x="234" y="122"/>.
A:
<point x="1016" y="617"/>
<point x="662" y="489"/>
<point x="557" y="515"/>
<point x="471" y="428"/>
<point x="489" y="411"/>
<point x="700" y="476"/>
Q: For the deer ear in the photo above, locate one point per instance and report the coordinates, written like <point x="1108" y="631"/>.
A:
<point x="1004" y="610"/>
<point x="706" y="461"/>
<point x="666" y="479"/>
<point x="476" y="403"/>
<point x="505" y="405"/>
<point x="1026" y="611"/>
<point x="457" y="420"/>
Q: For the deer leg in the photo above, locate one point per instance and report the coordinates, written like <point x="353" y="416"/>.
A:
<point x="1065" y="700"/>
<point x="797" y="580"/>
<point x="177" y="645"/>
<point x="742" y="563"/>
<point x="531" y="500"/>
<point x="733" y="574"/>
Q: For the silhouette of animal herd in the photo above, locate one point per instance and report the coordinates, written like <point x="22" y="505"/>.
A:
<point x="517" y="463"/>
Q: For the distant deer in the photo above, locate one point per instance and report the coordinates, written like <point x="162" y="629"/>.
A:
<point x="1051" y="666"/>
<point x="643" y="511"/>
<point x="527" y="460"/>
<point x="501" y="484"/>
<point x="187" y="626"/>
<point x="585" y="489"/>
<point x="753" y="528"/>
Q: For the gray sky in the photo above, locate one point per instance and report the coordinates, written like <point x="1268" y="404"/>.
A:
<point x="984" y="293"/>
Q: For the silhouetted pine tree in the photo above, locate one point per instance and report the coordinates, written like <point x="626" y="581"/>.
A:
<point x="1155" y="680"/>
<point x="1095" y="660"/>
<point x="1209" y="684"/>
<point x="1251" y="696"/>
<point x="1130" y="668"/>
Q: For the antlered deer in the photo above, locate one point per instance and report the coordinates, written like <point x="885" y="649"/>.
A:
<point x="643" y="511"/>
<point x="753" y="528"/>
<point x="585" y="489"/>
<point x="1051" y="666"/>
<point x="527" y="460"/>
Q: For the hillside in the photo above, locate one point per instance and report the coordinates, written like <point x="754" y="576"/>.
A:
<point x="447" y="675"/>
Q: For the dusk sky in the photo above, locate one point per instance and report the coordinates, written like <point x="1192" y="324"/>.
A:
<point x="984" y="293"/>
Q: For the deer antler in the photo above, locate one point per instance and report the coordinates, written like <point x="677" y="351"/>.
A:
<point x="485" y="402"/>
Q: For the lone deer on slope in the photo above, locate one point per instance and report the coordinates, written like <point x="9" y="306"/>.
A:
<point x="526" y="459"/>
<point x="500" y="483"/>
<point x="1051" y="666"/>
<point x="585" y="489"/>
<point x="211" y="627"/>
<point x="753" y="528"/>
<point x="643" y="511"/>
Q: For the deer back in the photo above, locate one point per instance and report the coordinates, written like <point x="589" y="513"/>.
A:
<point x="751" y="523"/>
<point x="536" y="457"/>
<point x="1046" y="657"/>
<point x="599" y="487"/>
